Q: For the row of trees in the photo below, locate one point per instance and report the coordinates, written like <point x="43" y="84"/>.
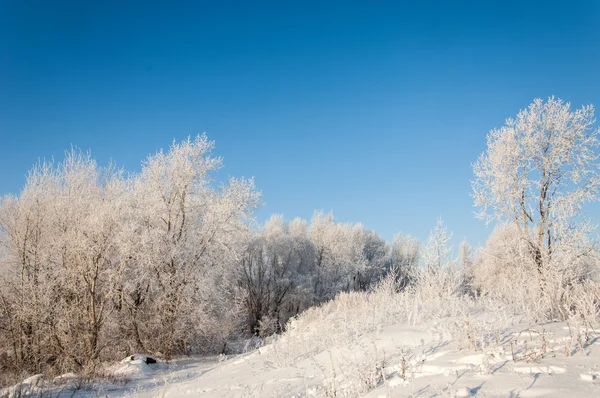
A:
<point x="96" y="264"/>
<point x="289" y="267"/>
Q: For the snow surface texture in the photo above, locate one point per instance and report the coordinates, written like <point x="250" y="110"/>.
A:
<point x="398" y="360"/>
<point x="379" y="344"/>
<point x="403" y="361"/>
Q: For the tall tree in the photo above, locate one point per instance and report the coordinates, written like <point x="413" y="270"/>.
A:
<point x="537" y="172"/>
<point x="189" y="236"/>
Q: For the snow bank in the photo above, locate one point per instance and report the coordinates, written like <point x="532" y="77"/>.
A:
<point x="137" y="366"/>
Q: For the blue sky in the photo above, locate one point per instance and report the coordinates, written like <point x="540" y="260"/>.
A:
<point x="374" y="110"/>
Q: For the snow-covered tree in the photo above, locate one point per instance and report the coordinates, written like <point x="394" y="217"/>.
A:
<point x="338" y="254"/>
<point x="502" y="267"/>
<point x="436" y="253"/>
<point x="189" y="235"/>
<point x="270" y="275"/>
<point x="61" y="263"/>
<point x="537" y="172"/>
<point x="377" y="258"/>
<point x="288" y="267"/>
<point x="404" y="258"/>
<point x="94" y="265"/>
<point x="440" y="277"/>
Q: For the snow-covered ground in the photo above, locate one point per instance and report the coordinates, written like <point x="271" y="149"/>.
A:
<point x="398" y="360"/>
<point x="419" y="343"/>
<point x="403" y="361"/>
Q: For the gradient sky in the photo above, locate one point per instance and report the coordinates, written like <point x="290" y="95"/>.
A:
<point x="374" y="110"/>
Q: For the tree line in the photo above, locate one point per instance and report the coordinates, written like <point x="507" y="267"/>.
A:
<point x="96" y="264"/>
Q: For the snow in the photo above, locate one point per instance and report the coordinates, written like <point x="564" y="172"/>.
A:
<point x="30" y="386"/>
<point x="136" y="366"/>
<point x="397" y="360"/>
<point x="413" y="364"/>
<point x="320" y="357"/>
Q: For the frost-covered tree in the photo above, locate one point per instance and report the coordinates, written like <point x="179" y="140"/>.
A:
<point x="94" y="265"/>
<point x="503" y="268"/>
<point x="338" y="252"/>
<point x="188" y="237"/>
<point x="288" y="267"/>
<point x="271" y="276"/>
<point x="440" y="277"/>
<point x="377" y="258"/>
<point x="436" y="253"/>
<point x="404" y="257"/>
<point x="61" y="263"/>
<point x="465" y="255"/>
<point x="537" y="172"/>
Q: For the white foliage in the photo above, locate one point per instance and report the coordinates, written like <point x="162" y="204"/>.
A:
<point x="288" y="267"/>
<point x="538" y="171"/>
<point x="96" y="265"/>
<point x="436" y="253"/>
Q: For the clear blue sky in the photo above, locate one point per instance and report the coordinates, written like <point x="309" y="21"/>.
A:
<point x="374" y="110"/>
